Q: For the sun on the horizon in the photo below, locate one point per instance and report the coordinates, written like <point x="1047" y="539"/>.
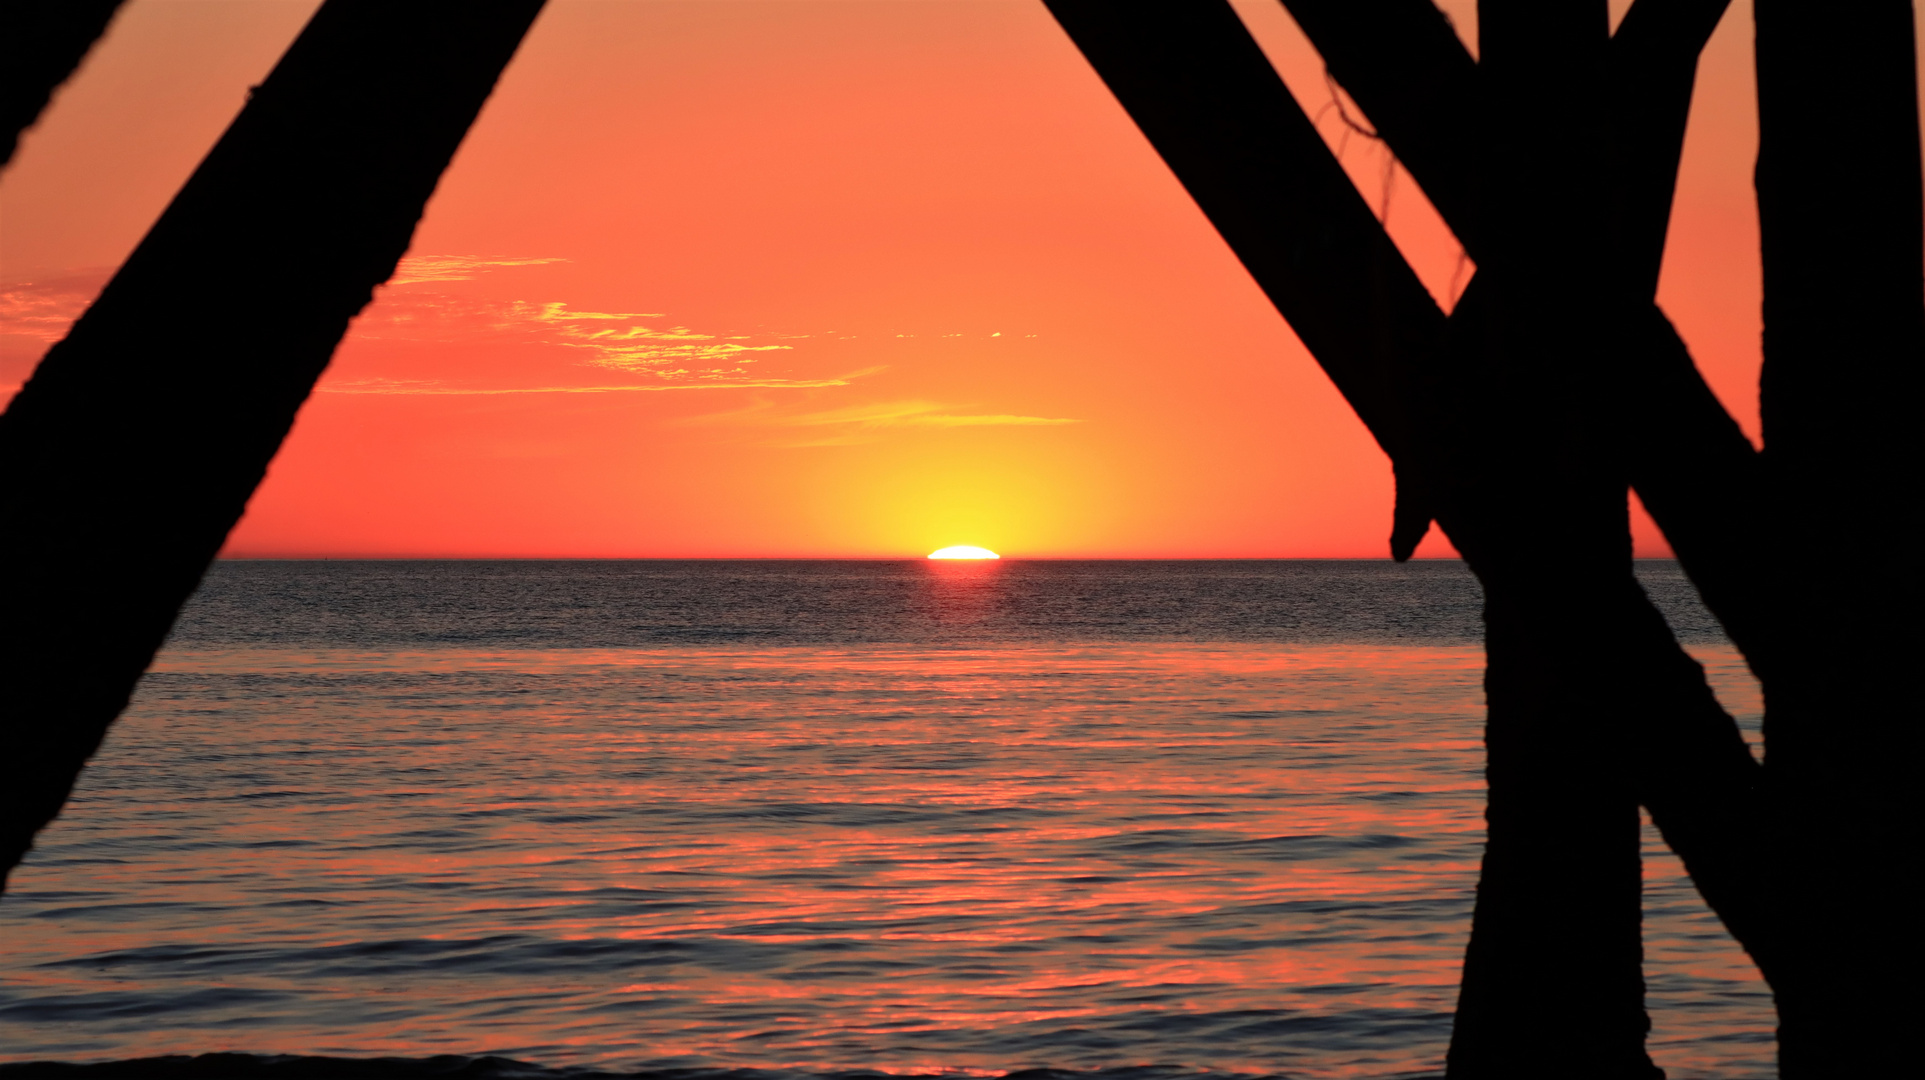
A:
<point x="963" y="551"/>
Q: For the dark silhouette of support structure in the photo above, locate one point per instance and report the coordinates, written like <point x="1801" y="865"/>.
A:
<point x="1695" y="470"/>
<point x="41" y="43"/>
<point x="1203" y="93"/>
<point x="1843" y="304"/>
<point x="137" y="443"/>
<point x="1516" y="423"/>
<point x="1447" y="404"/>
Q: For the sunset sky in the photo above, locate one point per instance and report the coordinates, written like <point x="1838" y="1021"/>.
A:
<point x="804" y="278"/>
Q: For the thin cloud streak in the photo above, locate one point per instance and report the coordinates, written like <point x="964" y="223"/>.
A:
<point x="415" y="269"/>
<point x="38" y="312"/>
<point x="638" y="348"/>
<point x="402" y="387"/>
<point x="866" y="423"/>
<point x="44" y="309"/>
<point x="911" y="414"/>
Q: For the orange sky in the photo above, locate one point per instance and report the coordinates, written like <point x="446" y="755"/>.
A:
<point x="803" y="278"/>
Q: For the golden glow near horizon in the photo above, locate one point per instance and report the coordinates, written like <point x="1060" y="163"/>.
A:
<point x="963" y="551"/>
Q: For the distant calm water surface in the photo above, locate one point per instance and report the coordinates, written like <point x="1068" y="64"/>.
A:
<point x="831" y="816"/>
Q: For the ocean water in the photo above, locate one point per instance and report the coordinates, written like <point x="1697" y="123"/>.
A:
<point x="1149" y="818"/>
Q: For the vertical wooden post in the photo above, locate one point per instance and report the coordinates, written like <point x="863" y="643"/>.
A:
<point x="1559" y="900"/>
<point x="1841" y="216"/>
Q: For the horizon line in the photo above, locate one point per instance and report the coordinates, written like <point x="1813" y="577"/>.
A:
<point x="250" y="557"/>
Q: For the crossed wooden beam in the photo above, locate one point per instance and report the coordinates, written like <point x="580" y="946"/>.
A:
<point x="1516" y="423"/>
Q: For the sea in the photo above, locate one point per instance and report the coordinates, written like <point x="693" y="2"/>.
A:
<point x="783" y="818"/>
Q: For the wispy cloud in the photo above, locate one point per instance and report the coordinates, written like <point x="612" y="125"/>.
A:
<point x="631" y="343"/>
<point x="557" y="349"/>
<point x="431" y="387"/>
<point x="44" y="308"/>
<point x="415" y="269"/>
<point x="911" y="414"/>
<point x="857" y="424"/>
<point x="635" y="347"/>
<point x="557" y="312"/>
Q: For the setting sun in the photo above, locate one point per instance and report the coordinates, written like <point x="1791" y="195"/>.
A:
<point x="963" y="551"/>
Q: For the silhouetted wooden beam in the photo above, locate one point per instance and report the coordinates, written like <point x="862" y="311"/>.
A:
<point x="41" y="43"/>
<point x="1840" y="220"/>
<point x="1254" y="163"/>
<point x="1690" y="462"/>
<point x="137" y="443"/>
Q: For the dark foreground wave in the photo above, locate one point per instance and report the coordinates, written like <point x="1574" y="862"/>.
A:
<point x="489" y="1067"/>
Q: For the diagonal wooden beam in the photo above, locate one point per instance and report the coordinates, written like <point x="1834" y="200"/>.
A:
<point x="1381" y="51"/>
<point x="1236" y="139"/>
<point x="137" y="443"/>
<point x="41" y="43"/>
